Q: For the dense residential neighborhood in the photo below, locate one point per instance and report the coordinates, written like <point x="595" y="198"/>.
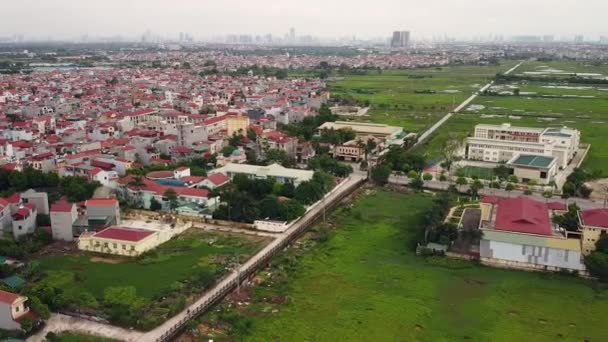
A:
<point x="260" y="187"/>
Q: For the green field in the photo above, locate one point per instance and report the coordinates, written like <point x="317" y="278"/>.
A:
<point x="163" y="279"/>
<point x="479" y="172"/>
<point x="393" y="96"/>
<point x="589" y="115"/>
<point x="76" y="337"/>
<point x="366" y="284"/>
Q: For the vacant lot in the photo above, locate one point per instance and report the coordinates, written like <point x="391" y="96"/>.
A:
<point x="163" y="279"/>
<point x="365" y="283"/>
<point x="415" y="99"/>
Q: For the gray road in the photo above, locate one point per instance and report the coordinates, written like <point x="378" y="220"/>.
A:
<point x="462" y="106"/>
<point x="437" y="185"/>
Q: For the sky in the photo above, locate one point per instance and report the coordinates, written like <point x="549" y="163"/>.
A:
<point x="323" y="18"/>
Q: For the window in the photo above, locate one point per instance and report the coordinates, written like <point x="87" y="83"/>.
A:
<point x="105" y="244"/>
<point x="115" y="245"/>
<point x="132" y="248"/>
<point x="17" y="309"/>
<point x="124" y="246"/>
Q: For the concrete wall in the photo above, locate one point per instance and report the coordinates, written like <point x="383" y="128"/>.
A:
<point x="534" y="255"/>
<point x="590" y="237"/>
<point x="62" y="224"/>
<point x="6" y="318"/>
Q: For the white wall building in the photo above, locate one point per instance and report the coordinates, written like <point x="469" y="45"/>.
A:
<point x="501" y="143"/>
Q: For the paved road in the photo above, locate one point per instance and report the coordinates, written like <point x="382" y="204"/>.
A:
<point x="462" y="106"/>
<point x="437" y="185"/>
<point x="58" y="323"/>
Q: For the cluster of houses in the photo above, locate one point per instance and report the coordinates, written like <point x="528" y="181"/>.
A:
<point x="100" y="123"/>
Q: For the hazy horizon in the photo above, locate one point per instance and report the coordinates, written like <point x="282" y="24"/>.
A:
<point x="66" y="19"/>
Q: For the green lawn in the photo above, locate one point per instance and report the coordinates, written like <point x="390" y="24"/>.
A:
<point x="163" y="279"/>
<point x="366" y="284"/>
<point x="76" y="337"/>
<point x="173" y="261"/>
<point x="393" y="92"/>
<point x="479" y="172"/>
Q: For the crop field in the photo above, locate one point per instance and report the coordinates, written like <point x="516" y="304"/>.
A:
<point x="541" y="104"/>
<point x="415" y="99"/>
<point x="366" y="283"/>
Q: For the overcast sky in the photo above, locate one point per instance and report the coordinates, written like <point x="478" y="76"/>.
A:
<point x="325" y="18"/>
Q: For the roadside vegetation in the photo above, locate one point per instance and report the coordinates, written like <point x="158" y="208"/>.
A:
<point x="141" y="292"/>
<point x="381" y="290"/>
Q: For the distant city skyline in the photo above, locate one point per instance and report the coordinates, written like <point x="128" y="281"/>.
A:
<point x="69" y="19"/>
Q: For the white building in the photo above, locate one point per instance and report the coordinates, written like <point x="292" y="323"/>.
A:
<point x="63" y="215"/>
<point x="12" y="308"/>
<point x="280" y="173"/>
<point x="24" y="220"/>
<point x="502" y="143"/>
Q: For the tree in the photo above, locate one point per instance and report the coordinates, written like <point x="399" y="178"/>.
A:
<point x="412" y="174"/>
<point x="509" y="187"/>
<point x="569" y="220"/>
<point x="155" y="205"/>
<point x="461" y="181"/>
<point x="548" y="195"/>
<point x="449" y="150"/>
<point x="39" y="307"/>
<point x="427" y="177"/>
<point x="475" y="187"/>
<point x="602" y="244"/>
<point x="513" y="179"/>
<point x="417" y="183"/>
<point x="171" y="196"/>
<point x="502" y="172"/>
<point x="597" y="264"/>
<point x="380" y="174"/>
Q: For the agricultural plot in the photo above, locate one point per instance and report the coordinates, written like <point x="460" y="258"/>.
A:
<point x="366" y="283"/>
<point x="415" y="99"/>
<point x="541" y="104"/>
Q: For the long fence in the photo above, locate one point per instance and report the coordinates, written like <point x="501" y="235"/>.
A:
<point x="299" y="227"/>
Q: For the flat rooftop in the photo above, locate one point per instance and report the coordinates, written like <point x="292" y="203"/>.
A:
<point x="535" y="161"/>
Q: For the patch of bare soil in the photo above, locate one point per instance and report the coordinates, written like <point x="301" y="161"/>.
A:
<point x="113" y="261"/>
<point x="600" y="189"/>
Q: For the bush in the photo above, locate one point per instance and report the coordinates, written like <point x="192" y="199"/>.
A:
<point x="427" y="177"/>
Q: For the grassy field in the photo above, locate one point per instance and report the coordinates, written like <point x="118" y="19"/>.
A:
<point x="393" y="96"/>
<point x="366" y="284"/>
<point x="479" y="172"/>
<point x="589" y="115"/>
<point x="163" y="279"/>
<point x="75" y="337"/>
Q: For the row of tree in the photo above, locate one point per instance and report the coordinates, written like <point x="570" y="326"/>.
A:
<point x="76" y="189"/>
<point x="247" y="200"/>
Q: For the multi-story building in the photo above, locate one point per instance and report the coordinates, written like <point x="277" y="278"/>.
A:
<point x="593" y="224"/>
<point x="502" y="143"/>
<point x="188" y="134"/>
<point x="24" y="220"/>
<point x="400" y="39"/>
<point x="237" y="124"/>
<point x="63" y="216"/>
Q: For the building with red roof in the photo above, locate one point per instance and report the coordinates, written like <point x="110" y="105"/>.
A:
<point x="593" y="224"/>
<point x="12" y="308"/>
<point x="518" y="233"/>
<point x="118" y="240"/>
<point x="63" y="215"/>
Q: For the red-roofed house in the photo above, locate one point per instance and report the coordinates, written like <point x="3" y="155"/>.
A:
<point x="215" y="181"/>
<point x="12" y="308"/>
<point x="593" y="224"/>
<point x="119" y="241"/>
<point x="519" y="234"/>
<point x="24" y="220"/>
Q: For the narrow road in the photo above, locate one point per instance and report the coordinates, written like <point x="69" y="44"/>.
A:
<point x="422" y="138"/>
<point x="160" y="331"/>
<point x="58" y="323"/>
<point x="584" y="204"/>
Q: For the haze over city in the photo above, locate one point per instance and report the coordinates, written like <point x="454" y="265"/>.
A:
<point x="321" y="170"/>
<point x="65" y="19"/>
